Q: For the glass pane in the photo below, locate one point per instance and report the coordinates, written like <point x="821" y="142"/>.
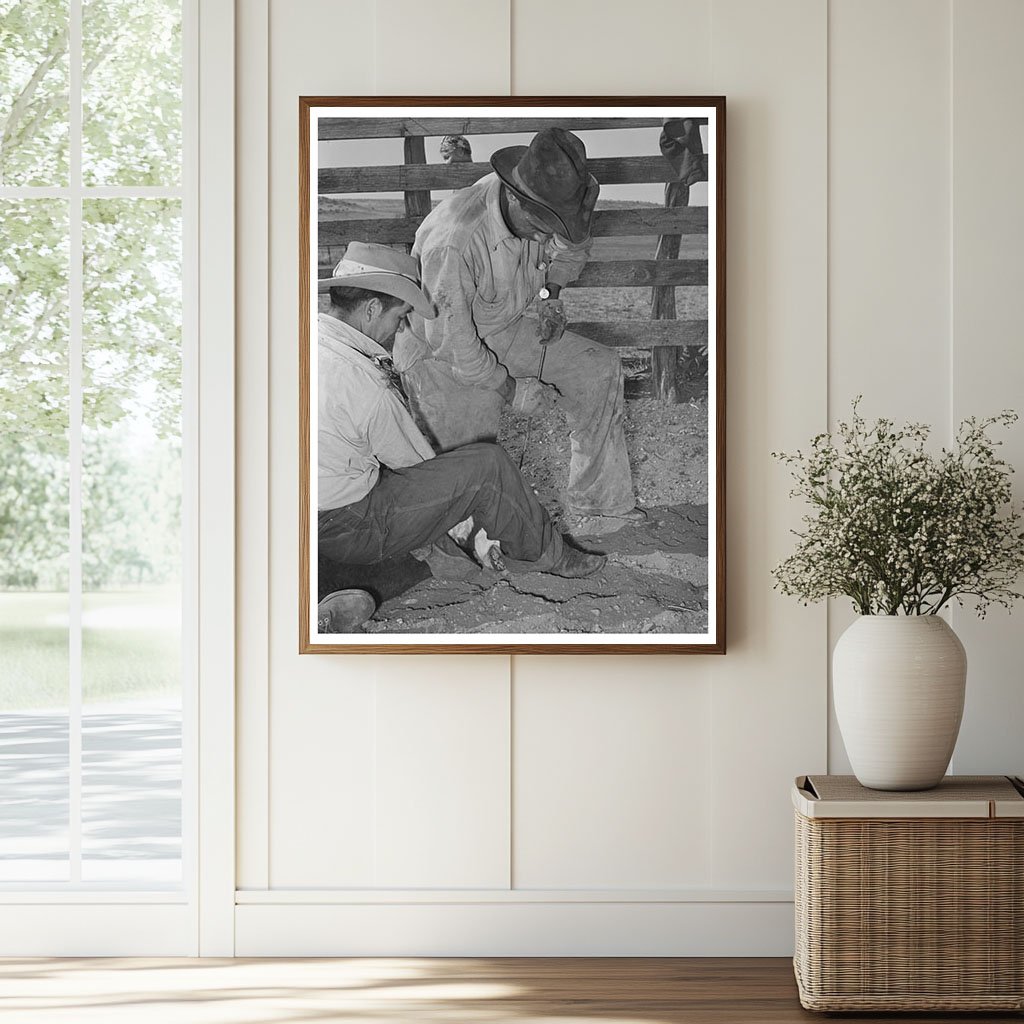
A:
<point x="131" y="541"/>
<point x="131" y="92"/>
<point x="131" y="780"/>
<point x="33" y="92"/>
<point x="33" y="540"/>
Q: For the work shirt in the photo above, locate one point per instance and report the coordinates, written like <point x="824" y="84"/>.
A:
<point x="362" y="421"/>
<point x="481" y="278"/>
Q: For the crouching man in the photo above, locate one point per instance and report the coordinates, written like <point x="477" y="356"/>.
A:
<point x="381" y="491"/>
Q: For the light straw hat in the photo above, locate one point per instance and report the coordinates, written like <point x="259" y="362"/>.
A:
<point x="378" y="268"/>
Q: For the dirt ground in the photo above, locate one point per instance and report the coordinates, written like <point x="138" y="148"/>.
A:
<point x="656" y="579"/>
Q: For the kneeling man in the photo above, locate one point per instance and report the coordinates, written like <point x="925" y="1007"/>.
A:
<point x="381" y="491"/>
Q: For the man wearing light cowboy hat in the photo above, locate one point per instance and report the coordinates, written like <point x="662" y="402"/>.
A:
<point x="381" y="491"/>
<point x="493" y="259"/>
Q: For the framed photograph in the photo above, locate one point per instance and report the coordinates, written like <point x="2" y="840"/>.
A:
<point x="512" y="374"/>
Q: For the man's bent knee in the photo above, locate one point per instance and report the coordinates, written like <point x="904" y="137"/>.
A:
<point x="602" y="364"/>
<point x="486" y="453"/>
<point x="489" y="461"/>
<point x="610" y="365"/>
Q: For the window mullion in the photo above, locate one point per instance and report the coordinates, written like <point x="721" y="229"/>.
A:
<point x="75" y="335"/>
<point x="34" y="192"/>
<point x="94" y="191"/>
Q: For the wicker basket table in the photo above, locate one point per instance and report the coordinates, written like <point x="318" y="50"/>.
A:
<point x="910" y="901"/>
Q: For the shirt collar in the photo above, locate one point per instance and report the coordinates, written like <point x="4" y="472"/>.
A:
<point x="338" y="333"/>
<point x="499" y="230"/>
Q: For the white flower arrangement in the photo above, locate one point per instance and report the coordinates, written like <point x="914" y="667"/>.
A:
<point x="899" y="530"/>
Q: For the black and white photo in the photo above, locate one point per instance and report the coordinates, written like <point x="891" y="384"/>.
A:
<point x="512" y="386"/>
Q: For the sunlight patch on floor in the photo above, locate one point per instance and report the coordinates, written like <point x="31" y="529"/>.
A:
<point x="220" y="991"/>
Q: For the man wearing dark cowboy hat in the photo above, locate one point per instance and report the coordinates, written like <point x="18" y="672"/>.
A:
<point x="381" y="492"/>
<point x="494" y="258"/>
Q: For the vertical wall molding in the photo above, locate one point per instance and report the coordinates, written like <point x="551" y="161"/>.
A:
<point x="889" y="230"/>
<point x="987" y="311"/>
<point x="253" y="390"/>
<point x="216" y="478"/>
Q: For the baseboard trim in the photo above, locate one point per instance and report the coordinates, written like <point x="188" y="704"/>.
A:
<point x="515" y="928"/>
<point x="348" y="897"/>
<point x="98" y="929"/>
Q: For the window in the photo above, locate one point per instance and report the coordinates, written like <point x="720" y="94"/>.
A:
<point x="96" y="464"/>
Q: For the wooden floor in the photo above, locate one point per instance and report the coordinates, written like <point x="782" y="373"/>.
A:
<point x="382" y="991"/>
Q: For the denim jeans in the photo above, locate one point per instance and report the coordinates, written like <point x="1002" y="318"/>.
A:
<point x="412" y="507"/>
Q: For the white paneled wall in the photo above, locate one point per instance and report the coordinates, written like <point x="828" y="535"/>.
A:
<point x="612" y="775"/>
<point x="579" y="48"/>
<point x="987" y="365"/>
<point x="441" y="48"/>
<point x="889" y="149"/>
<point x="320" y="754"/>
<point x="889" y="249"/>
<point x="619" y="805"/>
<point x="442" y="769"/>
<point x="323" y="779"/>
<point x="768" y="693"/>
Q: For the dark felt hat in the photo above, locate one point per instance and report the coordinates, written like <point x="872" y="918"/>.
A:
<point x="552" y="173"/>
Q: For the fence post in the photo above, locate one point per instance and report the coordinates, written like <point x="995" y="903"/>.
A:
<point x="682" y="146"/>
<point x="665" y="358"/>
<point x="417" y="204"/>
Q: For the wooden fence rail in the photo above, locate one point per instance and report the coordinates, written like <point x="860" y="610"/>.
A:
<point x="645" y="333"/>
<point x="337" y="128"/>
<point x="622" y="273"/>
<point x="642" y="273"/>
<point x="335" y="229"/>
<point x="619" y="170"/>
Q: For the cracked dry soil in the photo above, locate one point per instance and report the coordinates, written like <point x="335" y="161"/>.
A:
<point x="656" y="579"/>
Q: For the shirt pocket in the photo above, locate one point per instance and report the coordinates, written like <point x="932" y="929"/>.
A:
<point x="508" y="282"/>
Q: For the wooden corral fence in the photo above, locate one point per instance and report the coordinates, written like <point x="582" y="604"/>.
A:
<point x="416" y="178"/>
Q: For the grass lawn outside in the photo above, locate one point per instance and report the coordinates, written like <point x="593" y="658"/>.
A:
<point x="131" y="647"/>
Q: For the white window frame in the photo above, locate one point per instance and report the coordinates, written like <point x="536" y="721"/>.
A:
<point x="216" y="394"/>
<point x="53" y="919"/>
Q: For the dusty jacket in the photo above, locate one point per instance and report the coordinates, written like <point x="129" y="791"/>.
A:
<point x="362" y="422"/>
<point x="481" y="278"/>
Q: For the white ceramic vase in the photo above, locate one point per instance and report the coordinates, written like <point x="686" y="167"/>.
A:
<point x="898" y="685"/>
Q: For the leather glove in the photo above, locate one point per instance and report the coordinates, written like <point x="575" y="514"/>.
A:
<point x="552" y="317"/>
<point x="534" y="396"/>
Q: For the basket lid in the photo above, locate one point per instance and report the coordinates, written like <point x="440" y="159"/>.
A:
<point x="957" y="796"/>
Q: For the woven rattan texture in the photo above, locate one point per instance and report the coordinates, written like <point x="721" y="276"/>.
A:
<point x="960" y="787"/>
<point x="915" y="914"/>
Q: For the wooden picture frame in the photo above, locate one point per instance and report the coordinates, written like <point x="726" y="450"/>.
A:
<point x="648" y="153"/>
